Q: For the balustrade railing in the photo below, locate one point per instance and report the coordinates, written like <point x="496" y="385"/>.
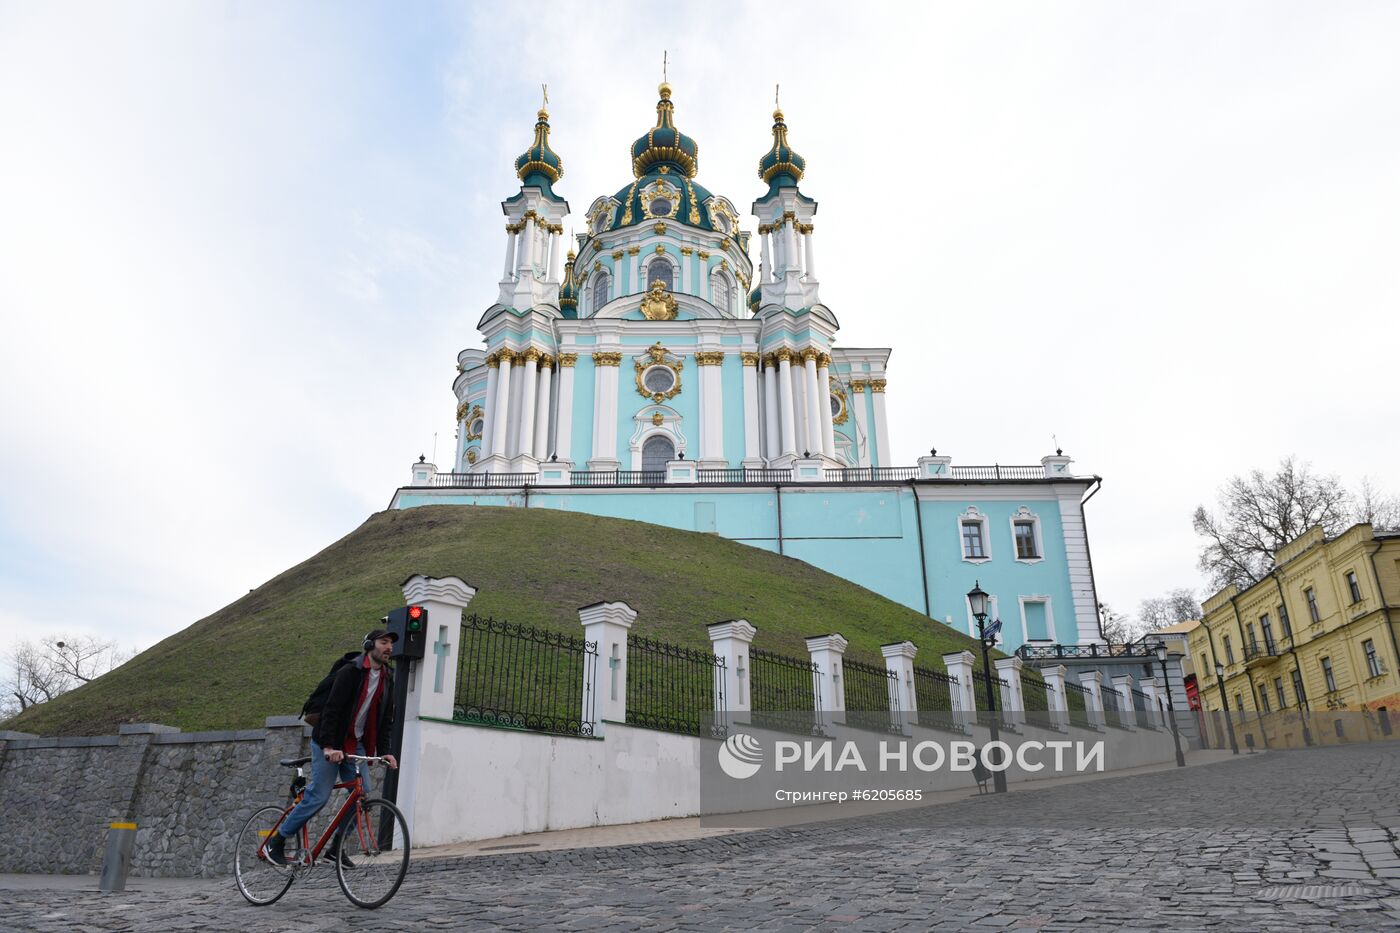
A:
<point x="675" y="688"/>
<point x="729" y="475"/>
<point x="997" y="471"/>
<point x="525" y="678"/>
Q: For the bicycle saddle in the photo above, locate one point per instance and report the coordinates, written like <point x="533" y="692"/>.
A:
<point x="294" y="762"/>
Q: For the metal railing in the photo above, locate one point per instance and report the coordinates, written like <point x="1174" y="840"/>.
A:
<point x="737" y="475"/>
<point x="979" y="696"/>
<point x="935" y="693"/>
<point x="997" y="471"/>
<point x="1254" y="651"/>
<point x="482" y="480"/>
<point x="1035" y="697"/>
<point x="524" y="677"/>
<point x="1113" y="712"/>
<point x="1144" y="709"/>
<point x="872" y="697"/>
<point x="617" y="478"/>
<point x="1135" y="649"/>
<point x="675" y="688"/>
<point x="783" y="693"/>
<point x="872" y="475"/>
<point x="1077" y="698"/>
<point x="730" y="475"/>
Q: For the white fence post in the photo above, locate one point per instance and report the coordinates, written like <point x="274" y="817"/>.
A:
<point x="1148" y="685"/>
<point x="730" y="641"/>
<point x="1013" y="698"/>
<point x="1055" y="692"/>
<point x="959" y="665"/>
<point x="899" y="660"/>
<point x="1127" y="714"/>
<point x="1093" y="682"/>
<point x="606" y="625"/>
<point x="432" y="682"/>
<point x="828" y="681"/>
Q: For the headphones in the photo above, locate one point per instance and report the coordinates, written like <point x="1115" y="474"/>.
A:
<point x="369" y="642"/>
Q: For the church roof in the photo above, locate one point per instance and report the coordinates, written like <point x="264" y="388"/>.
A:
<point x="568" y="289"/>
<point x="664" y="162"/>
<point x="539" y="162"/>
<point x="664" y="144"/>
<point x="781" y="166"/>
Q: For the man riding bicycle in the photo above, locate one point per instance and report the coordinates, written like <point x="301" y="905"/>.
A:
<point x="358" y="717"/>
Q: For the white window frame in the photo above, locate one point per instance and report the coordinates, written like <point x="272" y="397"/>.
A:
<point x="602" y="275"/>
<point x="645" y="284"/>
<point x="728" y="308"/>
<point x="1024" y="514"/>
<point x="1049" y="620"/>
<point x="973" y="514"/>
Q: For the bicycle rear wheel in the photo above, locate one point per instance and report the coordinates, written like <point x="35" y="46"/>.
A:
<point x="259" y="880"/>
<point x="368" y="874"/>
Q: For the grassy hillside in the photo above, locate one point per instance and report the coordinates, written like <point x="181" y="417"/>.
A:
<point x="261" y="655"/>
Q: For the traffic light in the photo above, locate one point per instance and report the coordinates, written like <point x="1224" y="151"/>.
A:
<point x="410" y="623"/>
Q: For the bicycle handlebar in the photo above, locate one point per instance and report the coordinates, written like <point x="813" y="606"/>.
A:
<point x="369" y="758"/>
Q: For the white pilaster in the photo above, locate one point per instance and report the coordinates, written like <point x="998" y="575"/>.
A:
<point x="1055" y="695"/>
<point x="564" y="415"/>
<point x="711" y="412"/>
<point x="1013" y="697"/>
<point x="770" y="410"/>
<point x="785" y="403"/>
<point x="509" y="274"/>
<point x="1148" y="686"/>
<point x="525" y="252"/>
<point x="432" y="682"/>
<point x="882" y="430"/>
<point x="1093" y="703"/>
<point x="501" y="418"/>
<point x="767" y="260"/>
<point x="899" y="660"/>
<point x="556" y="272"/>
<point x="824" y="393"/>
<point x="730" y="642"/>
<point x="800" y="440"/>
<point x="541" y="447"/>
<point x="488" y="424"/>
<point x="752" y="454"/>
<point x="605" y="414"/>
<point x="529" y="384"/>
<point x="813" y="398"/>
<point x="959" y="665"/>
<point x="513" y="427"/>
<point x="1123" y="686"/>
<point x="606" y="625"/>
<point x="829" y="682"/>
<point x="789" y="247"/>
<point x="811" y="263"/>
<point x="858" y="404"/>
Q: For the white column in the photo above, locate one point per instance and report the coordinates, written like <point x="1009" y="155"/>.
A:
<point x="507" y="275"/>
<point x="711" y="409"/>
<point x="1013" y="698"/>
<point x="685" y="278"/>
<point x="541" y="447"/>
<point x="770" y="408"/>
<point x="556" y="273"/>
<point x="606" y="625"/>
<point x="882" y="431"/>
<point x="779" y="263"/>
<point x="899" y="660"/>
<point x="799" y="407"/>
<point x="814" y="399"/>
<point x="863" y="441"/>
<point x="528" y="385"/>
<point x="828" y="651"/>
<point x="811" y="263"/>
<point x="824" y="392"/>
<point x="1055" y="695"/>
<point x="564" y="416"/>
<point x="1123" y="686"/>
<point x="513" y="428"/>
<point x="730" y="642"/>
<point x="501" y="418"/>
<point x="959" y="666"/>
<point x="432" y="682"/>
<point x="751" y="403"/>
<point x="488" y="422"/>
<point x="637" y="285"/>
<point x="785" y="402"/>
<point x="1093" y="703"/>
<point x="767" y="260"/>
<point x="605" y="411"/>
<point x="789" y="246"/>
<point x="525" y="252"/>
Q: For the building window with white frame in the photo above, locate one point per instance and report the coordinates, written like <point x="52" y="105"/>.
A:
<point x="720" y="292"/>
<point x="1035" y="615"/>
<point x="1373" y="661"/>
<point x="1025" y="540"/>
<point x="1328" y="676"/>
<point x="661" y="270"/>
<point x="1313" y="614"/>
<point x="1353" y="587"/>
<point x="602" y="290"/>
<point x="972" y="539"/>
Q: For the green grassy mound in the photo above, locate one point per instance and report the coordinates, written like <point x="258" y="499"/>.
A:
<point x="262" y="654"/>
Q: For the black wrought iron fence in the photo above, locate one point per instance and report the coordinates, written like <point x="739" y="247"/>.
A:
<point x="675" y="688"/>
<point x="872" y="697"/>
<point x="935" y="694"/>
<point x="1035" y="695"/>
<point x="1113" y="712"/>
<point x="524" y="677"/>
<point x="1144" y="710"/>
<point x="979" y="683"/>
<point x="783" y="692"/>
<point x="1077" y="698"/>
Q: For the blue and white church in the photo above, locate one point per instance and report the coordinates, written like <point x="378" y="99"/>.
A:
<point x="652" y="371"/>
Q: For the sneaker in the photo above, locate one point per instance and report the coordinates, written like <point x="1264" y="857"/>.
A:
<point x="276" y="849"/>
<point x="335" y="854"/>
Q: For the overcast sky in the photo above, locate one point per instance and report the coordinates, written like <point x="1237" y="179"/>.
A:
<point x="242" y="243"/>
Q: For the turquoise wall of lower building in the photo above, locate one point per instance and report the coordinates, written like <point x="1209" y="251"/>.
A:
<point x="869" y="535"/>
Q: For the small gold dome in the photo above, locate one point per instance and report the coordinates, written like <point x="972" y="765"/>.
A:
<point x="664" y="90"/>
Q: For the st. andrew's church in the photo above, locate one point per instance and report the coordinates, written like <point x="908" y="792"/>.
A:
<point x="653" y="371"/>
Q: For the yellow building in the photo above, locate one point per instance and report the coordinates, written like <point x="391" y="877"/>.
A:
<point x="1309" y="653"/>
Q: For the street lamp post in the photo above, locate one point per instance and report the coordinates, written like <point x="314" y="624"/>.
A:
<point x="978" y="601"/>
<point x="1161" y="650"/>
<point x="1225" y="706"/>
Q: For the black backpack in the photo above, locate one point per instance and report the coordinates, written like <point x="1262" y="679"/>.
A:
<point x="311" y="709"/>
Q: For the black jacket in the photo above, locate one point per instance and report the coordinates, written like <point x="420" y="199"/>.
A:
<point x="338" y="716"/>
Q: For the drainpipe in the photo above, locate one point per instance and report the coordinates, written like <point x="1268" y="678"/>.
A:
<point x="1293" y="650"/>
<point x="779" y="491"/>
<point x="1385" y="604"/>
<point x="923" y="561"/>
<point x="1084" y="520"/>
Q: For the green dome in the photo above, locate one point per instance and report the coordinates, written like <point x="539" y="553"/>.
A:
<point x="664" y="144"/>
<point x="540" y="160"/>
<point x="639" y="202"/>
<point x="781" y="166"/>
<point x="755" y="297"/>
<point x="568" y="290"/>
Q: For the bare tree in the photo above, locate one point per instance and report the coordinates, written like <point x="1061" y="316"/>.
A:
<point x="1117" y="629"/>
<point x="1177" y="606"/>
<point x="1259" y="514"/>
<point x="37" y="672"/>
<point x="1371" y="504"/>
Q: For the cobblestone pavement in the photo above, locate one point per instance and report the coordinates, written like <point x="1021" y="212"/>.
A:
<point x="1289" y="840"/>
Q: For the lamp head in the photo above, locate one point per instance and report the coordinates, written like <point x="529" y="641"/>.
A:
<point x="1161" y="650"/>
<point x="977" y="599"/>
<point x="1220" y="671"/>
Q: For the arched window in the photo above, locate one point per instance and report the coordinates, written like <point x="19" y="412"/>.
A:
<point x="656" y="452"/>
<point x="602" y="290"/>
<point x="661" y="269"/>
<point x="719" y="289"/>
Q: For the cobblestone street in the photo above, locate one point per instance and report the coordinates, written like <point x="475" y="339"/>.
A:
<point x="1280" y="841"/>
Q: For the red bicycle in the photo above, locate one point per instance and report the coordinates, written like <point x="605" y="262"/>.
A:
<point x="370" y="861"/>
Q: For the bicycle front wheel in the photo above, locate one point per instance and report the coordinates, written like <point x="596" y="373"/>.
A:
<point x="369" y="873"/>
<point x="259" y="880"/>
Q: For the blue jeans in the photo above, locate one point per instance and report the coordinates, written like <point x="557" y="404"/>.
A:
<point x="324" y="777"/>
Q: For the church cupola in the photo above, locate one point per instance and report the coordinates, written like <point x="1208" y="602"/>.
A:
<point x="664" y="147"/>
<point x="540" y="165"/>
<point x="781" y="166"/>
<point x="568" y="291"/>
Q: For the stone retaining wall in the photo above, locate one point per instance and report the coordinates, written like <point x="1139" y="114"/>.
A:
<point x="188" y="794"/>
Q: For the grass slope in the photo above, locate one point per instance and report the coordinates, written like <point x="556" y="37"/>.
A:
<point x="261" y="655"/>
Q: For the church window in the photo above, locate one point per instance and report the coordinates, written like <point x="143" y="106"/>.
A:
<point x="600" y="221"/>
<point x="661" y="270"/>
<point x="656" y="452"/>
<point x="972" y="540"/>
<point x="719" y="286"/>
<point x="835" y="404"/>
<point x="661" y="206"/>
<point x="476" y="427"/>
<point x="721" y="221"/>
<point x="659" y="379"/>
<point x="602" y="290"/>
